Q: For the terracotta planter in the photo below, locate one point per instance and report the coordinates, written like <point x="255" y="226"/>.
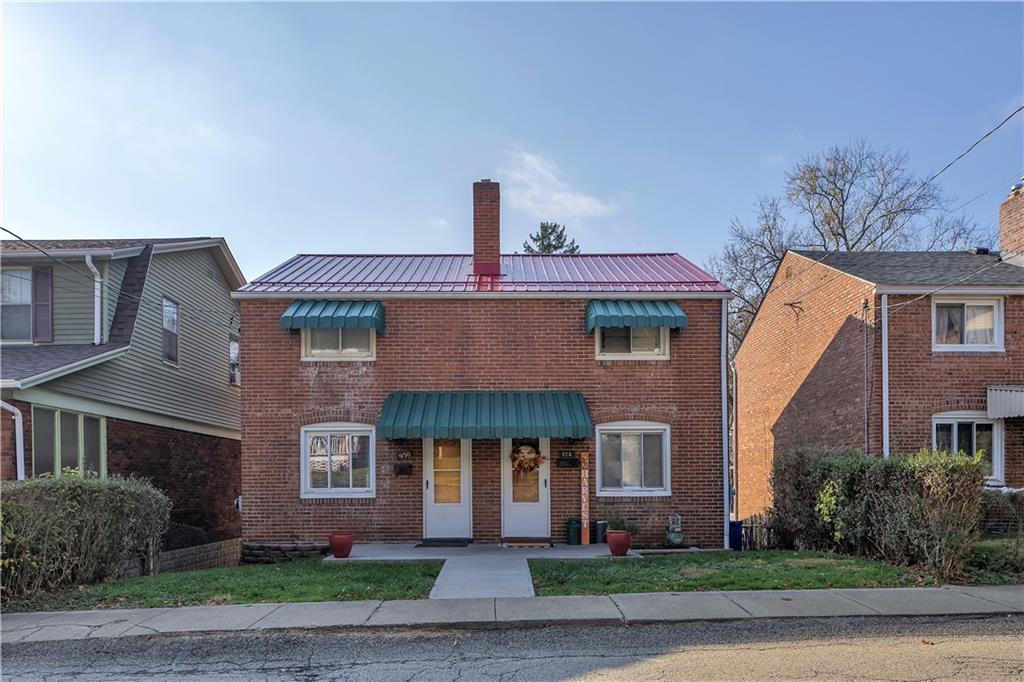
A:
<point x="341" y="544"/>
<point x="619" y="541"/>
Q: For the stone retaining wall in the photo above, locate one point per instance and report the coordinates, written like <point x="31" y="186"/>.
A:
<point x="272" y="553"/>
<point x="211" y="555"/>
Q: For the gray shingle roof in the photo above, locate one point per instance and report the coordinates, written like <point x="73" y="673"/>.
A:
<point x="66" y="244"/>
<point x="923" y="268"/>
<point x="22" y="362"/>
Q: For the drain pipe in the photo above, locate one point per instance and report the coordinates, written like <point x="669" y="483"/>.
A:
<point x="19" y="437"/>
<point x="97" y="286"/>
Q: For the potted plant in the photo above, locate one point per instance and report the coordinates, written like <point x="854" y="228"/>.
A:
<point x="341" y="544"/>
<point x="620" y="532"/>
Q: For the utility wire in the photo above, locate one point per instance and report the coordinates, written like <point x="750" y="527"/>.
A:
<point x="899" y="306"/>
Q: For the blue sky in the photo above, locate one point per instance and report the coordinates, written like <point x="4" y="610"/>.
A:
<point x="360" y="128"/>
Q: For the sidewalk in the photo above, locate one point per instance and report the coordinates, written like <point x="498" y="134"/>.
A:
<point x="517" y="612"/>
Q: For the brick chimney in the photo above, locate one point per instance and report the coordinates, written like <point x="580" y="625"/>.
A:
<point x="1011" y="226"/>
<point x="486" y="228"/>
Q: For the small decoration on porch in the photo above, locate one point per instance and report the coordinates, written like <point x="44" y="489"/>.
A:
<point x="674" y="531"/>
<point x="525" y="459"/>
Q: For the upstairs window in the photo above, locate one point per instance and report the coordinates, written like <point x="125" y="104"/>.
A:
<point x="339" y="344"/>
<point x="170" y="334"/>
<point x="632" y="343"/>
<point x="234" y="361"/>
<point x="16" y="304"/>
<point x="967" y="324"/>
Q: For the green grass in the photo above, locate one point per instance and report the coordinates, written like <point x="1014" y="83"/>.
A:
<point x="771" y="570"/>
<point x="995" y="563"/>
<point x="293" y="581"/>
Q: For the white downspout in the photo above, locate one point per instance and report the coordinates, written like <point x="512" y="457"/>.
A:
<point x="19" y="437"/>
<point x="885" y="375"/>
<point x="725" y="423"/>
<point x="97" y="309"/>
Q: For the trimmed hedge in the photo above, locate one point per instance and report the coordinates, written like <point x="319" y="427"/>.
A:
<point x="76" y="530"/>
<point x="921" y="509"/>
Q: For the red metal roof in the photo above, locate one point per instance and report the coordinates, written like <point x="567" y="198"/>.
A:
<point x="520" y="273"/>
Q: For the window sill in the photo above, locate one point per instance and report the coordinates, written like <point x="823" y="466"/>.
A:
<point x="618" y="357"/>
<point x="351" y="358"/>
<point x="634" y="493"/>
<point x="337" y="495"/>
<point x="967" y="350"/>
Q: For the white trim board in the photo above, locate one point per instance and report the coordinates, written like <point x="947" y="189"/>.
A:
<point x="45" y="398"/>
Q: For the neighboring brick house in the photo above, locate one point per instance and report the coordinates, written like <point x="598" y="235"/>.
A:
<point x="120" y="356"/>
<point x="389" y="395"/>
<point x="888" y="352"/>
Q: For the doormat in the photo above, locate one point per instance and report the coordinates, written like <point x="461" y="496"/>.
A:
<point x="527" y="544"/>
<point x="442" y="542"/>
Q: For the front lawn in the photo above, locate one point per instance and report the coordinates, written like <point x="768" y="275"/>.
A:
<point x="770" y="570"/>
<point x="293" y="581"/>
<point x="995" y="563"/>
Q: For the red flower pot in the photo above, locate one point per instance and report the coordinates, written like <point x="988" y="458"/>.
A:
<point x="341" y="544"/>
<point x="619" y="541"/>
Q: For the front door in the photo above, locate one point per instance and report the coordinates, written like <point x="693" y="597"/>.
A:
<point x="447" y="488"/>
<point x="525" y="494"/>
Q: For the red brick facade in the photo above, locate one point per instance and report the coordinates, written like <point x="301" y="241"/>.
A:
<point x="199" y="473"/>
<point x="1011" y="225"/>
<point x="451" y="344"/>
<point x="486" y="228"/>
<point x="801" y="375"/>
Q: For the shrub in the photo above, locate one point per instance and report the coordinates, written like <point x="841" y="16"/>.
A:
<point x="922" y="509"/>
<point x="76" y="530"/>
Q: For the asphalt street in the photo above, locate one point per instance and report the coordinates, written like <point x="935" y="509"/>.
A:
<point x="980" y="648"/>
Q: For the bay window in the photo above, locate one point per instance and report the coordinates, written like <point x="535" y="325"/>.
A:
<point x="633" y="459"/>
<point x="337" y="461"/>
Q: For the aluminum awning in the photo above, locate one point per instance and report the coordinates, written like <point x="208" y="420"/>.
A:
<point x="485" y="414"/>
<point x="312" y="314"/>
<point x="1005" y="401"/>
<point x="635" y="313"/>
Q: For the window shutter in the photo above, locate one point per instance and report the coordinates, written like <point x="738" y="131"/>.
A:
<point x="42" y="305"/>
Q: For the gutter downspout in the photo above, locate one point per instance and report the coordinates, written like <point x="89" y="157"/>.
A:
<point x="19" y="437"/>
<point x="885" y="375"/>
<point x="97" y="334"/>
<point x="735" y="454"/>
<point x="725" y="424"/>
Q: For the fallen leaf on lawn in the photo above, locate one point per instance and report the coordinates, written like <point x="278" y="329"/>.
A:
<point x="925" y="641"/>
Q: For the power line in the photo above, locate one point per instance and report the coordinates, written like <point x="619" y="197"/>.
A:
<point x="899" y="306"/>
<point x="994" y="187"/>
<point x="976" y="143"/>
<point x="90" y="277"/>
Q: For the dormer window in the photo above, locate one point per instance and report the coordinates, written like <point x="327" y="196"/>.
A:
<point x="967" y="324"/>
<point x="26" y="305"/>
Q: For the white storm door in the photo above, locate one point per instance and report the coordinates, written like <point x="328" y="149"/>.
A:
<point x="525" y="498"/>
<point x="447" y="488"/>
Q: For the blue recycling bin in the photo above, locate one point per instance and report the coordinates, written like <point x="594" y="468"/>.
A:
<point x="736" y="535"/>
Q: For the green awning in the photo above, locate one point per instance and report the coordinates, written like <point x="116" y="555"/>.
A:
<point x="485" y="414"/>
<point x="635" y="314"/>
<point x="307" y="314"/>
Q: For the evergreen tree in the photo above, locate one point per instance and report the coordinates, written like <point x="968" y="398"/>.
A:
<point x="550" y="239"/>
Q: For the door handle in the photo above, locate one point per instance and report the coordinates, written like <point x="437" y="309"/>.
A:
<point x="427" y="483"/>
<point x="545" y="483"/>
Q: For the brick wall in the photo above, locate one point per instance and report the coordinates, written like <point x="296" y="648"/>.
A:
<point x="200" y="473"/>
<point x="507" y="344"/>
<point x="800" y="372"/>
<point x="923" y="383"/>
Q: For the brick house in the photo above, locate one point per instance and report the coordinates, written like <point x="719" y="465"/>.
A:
<point x="119" y="356"/>
<point x="405" y="397"/>
<point x="889" y="353"/>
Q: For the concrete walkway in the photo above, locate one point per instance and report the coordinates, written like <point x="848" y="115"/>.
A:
<point x="517" y="611"/>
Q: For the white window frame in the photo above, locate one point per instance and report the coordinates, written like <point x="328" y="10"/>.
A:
<point x="59" y="464"/>
<point x="635" y="427"/>
<point x="977" y="417"/>
<point x="177" y="332"/>
<point x="663" y="355"/>
<point x="997" y="325"/>
<point x="235" y="375"/>
<point x="309" y="355"/>
<point x="306" y="491"/>
<point x="31" y="301"/>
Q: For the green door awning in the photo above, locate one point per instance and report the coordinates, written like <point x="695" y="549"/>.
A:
<point x="627" y="313"/>
<point x="306" y="314"/>
<point x="485" y="414"/>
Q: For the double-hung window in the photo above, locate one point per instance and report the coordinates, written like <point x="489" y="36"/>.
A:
<point x="967" y="324"/>
<point x="632" y="343"/>
<point x="971" y="433"/>
<point x="337" y="460"/>
<point x="633" y="459"/>
<point x="67" y="440"/>
<point x="170" y="330"/>
<point x="339" y="344"/>
<point x="26" y="304"/>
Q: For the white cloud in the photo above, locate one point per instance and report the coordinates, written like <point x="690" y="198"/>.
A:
<point x="533" y="184"/>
